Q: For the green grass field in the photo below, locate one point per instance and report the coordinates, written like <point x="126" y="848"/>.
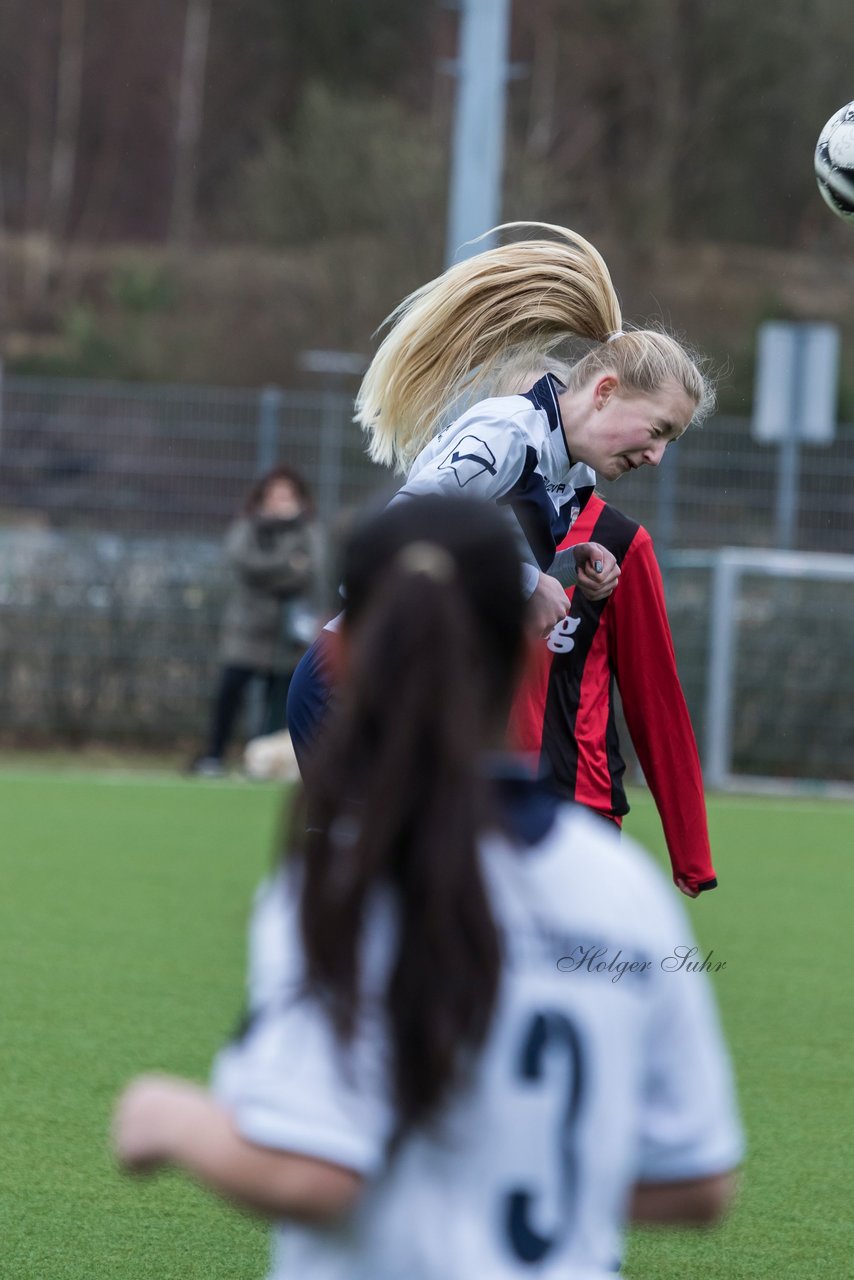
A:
<point x="124" y="901"/>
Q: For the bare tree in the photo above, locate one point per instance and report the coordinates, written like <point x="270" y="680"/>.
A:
<point x="101" y="165"/>
<point x="4" y="282"/>
<point x="53" y="150"/>
<point x="188" y="124"/>
<point x="545" y="73"/>
<point x="69" y="84"/>
<point x="39" y="136"/>
<point x="668" y="66"/>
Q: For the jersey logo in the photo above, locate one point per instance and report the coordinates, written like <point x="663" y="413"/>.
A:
<point x="560" y="637"/>
<point x="469" y="458"/>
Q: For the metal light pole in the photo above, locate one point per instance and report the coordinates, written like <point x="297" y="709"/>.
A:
<point x="474" y="203"/>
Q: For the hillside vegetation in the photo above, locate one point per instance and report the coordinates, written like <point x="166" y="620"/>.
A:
<point x="244" y="315"/>
<point x="201" y="190"/>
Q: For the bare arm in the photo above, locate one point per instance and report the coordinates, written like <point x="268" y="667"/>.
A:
<point x="161" y="1120"/>
<point x="698" y="1203"/>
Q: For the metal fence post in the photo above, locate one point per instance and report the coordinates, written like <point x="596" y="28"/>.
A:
<point x="267" y="440"/>
<point x="787" y="503"/>
<point x="720" y="691"/>
<point x="266" y="457"/>
<point x="665" y="523"/>
<point x="477" y="157"/>
<point x="331" y="446"/>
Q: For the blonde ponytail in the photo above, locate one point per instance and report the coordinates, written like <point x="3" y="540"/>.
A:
<point x="452" y="333"/>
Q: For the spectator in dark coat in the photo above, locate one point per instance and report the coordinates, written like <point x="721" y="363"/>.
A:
<point x="270" y="619"/>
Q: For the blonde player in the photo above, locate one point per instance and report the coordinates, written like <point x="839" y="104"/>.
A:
<point x="468" y="1054"/>
<point x="490" y="326"/>
<point x="477" y="326"/>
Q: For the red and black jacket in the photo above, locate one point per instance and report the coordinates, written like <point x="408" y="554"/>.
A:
<point x="564" y="710"/>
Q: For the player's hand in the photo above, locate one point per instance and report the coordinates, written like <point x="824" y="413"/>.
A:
<point x="547" y="605"/>
<point x="148" y="1119"/>
<point x="598" y="571"/>
<point x="683" y="887"/>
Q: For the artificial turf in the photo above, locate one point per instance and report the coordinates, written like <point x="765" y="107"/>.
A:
<point x="124" y="906"/>
<point x="781" y="920"/>
<point x="122" y="919"/>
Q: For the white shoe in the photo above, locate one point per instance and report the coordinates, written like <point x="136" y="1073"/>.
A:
<point x="271" y="757"/>
<point x="208" y="767"/>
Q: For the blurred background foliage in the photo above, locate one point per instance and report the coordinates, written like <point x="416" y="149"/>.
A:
<point x="199" y="190"/>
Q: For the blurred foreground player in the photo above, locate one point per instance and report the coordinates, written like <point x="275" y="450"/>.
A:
<point x="564" y="710"/>
<point x="440" y="1076"/>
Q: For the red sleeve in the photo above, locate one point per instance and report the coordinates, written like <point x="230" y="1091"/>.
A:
<point x="657" y="717"/>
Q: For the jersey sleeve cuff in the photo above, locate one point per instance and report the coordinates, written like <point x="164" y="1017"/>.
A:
<point x="721" y="1157"/>
<point x="267" y="1128"/>
<point x="530" y="578"/>
<point x="564" y="567"/>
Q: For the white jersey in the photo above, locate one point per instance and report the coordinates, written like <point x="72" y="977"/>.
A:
<point x="604" y="1066"/>
<point x="511" y="450"/>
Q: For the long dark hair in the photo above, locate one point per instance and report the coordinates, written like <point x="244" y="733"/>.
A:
<point x="398" y="796"/>
<point x="254" y="499"/>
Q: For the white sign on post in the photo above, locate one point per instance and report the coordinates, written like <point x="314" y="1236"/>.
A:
<point x="797" y="371"/>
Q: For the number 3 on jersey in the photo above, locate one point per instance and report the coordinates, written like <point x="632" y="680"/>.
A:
<point x="551" y="1048"/>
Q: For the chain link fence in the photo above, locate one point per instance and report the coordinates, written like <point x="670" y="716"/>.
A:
<point x="114" y="499"/>
<point x="718" y="487"/>
<point x="147" y="459"/>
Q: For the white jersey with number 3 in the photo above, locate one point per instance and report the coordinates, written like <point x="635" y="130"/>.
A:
<point x="604" y="1066"/>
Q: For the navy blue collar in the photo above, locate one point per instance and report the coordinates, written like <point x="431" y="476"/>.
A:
<point x="527" y="805"/>
<point x="543" y="395"/>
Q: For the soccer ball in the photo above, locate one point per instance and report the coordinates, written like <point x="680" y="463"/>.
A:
<point x="834" y="162"/>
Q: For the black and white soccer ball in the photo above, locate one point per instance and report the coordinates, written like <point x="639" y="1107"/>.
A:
<point x="834" y="162"/>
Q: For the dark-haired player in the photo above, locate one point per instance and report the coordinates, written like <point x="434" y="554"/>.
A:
<point x="466" y="1058"/>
